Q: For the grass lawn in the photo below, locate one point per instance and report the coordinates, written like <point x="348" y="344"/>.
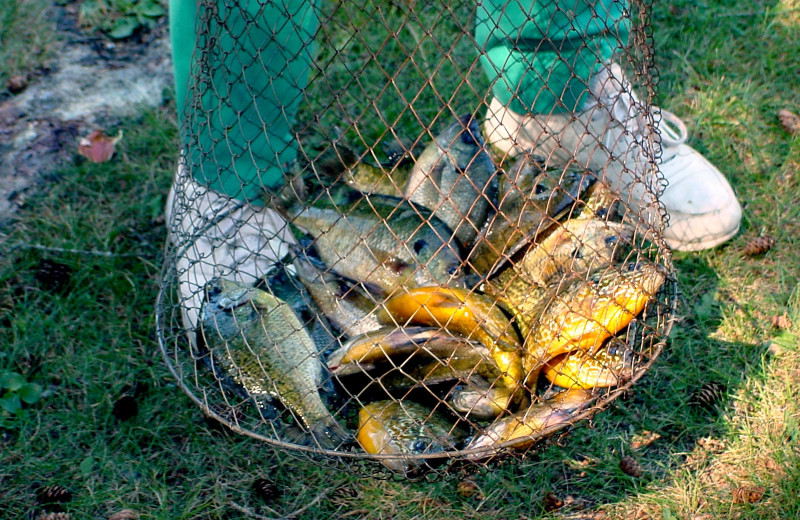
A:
<point x="80" y="268"/>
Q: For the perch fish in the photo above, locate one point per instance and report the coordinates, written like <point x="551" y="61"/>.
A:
<point x="403" y="429"/>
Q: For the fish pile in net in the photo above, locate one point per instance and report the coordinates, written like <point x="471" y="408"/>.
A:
<point x="436" y="301"/>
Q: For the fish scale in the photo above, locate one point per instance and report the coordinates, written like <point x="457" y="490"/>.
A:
<point x="384" y="242"/>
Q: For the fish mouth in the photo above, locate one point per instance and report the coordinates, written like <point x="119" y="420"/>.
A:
<point x="219" y="299"/>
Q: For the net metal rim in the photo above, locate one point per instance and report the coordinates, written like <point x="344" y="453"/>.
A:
<point x="481" y="455"/>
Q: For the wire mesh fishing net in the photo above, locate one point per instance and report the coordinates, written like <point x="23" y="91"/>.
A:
<point x="377" y="259"/>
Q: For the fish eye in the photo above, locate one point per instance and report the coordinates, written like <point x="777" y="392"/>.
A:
<point x="577" y="254"/>
<point x="419" y="245"/>
<point x="612" y="240"/>
<point x="453" y="268"/>
<point x="467" y="137"/>
<point x="539" y="189"/>
<point x="418" y="446"/>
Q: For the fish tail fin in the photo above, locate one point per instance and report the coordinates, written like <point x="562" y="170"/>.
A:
<point x="330" y="435"/>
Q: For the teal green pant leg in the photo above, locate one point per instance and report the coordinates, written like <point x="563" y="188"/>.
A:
<point x="240" y="70"/>
<point x="539" y="55"/>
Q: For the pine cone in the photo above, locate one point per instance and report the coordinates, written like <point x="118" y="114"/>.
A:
<point x="266" y="490"/>
<point x="759" y="245"/>
<point x="53" y="495"/>
<point x="708" y="395"/>
<point x="125" y="408"/>
<point x="631" y="466"/>
<point x="552" y="502"/>
<point x="125" y="514"/>
<point x="52" y="275"/>
<point x="16" y="84"/>
<point x="467" y="487"/>
<point x="781" y="322"/>
<point x="53" y="516"/>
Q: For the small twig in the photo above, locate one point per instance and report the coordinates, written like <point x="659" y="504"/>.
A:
<point x="250" y="512"/>
<point x="78" y="251"/>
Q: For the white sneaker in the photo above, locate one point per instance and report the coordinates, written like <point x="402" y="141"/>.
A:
<point x="614" y="135"/>
<point x="219" y="237"/>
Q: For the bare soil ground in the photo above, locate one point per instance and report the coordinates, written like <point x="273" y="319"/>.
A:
<point x="91" y="84"/>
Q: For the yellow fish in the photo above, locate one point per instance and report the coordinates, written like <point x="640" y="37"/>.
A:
<point x="473" y="315"/>
<point x="607" y="367"/>
<point x="588" y="310"/>
<point x="521" y="428"/>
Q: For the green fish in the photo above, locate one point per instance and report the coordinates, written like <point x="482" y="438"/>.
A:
<point x="531" y="199"/>
<point x="258" y="342"/>
<point x="588" y="309"/>
<point x="481" y="399"/>
<point x="348" y="309"/>
<point x="455" y="178"/>
<point x="402" y="430"/>
<point x="397" y="345"/>
<point x="414" y="356"/>
<point x="383" y="242"/>
<point x="387" y="178"/>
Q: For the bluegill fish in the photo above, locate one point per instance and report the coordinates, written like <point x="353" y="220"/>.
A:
<point x="403" y="429"/>
<point x="349" y="310"/>
<point x="531" y="199"/>
<point x="455" y="178"/>
<point x="258" y="341"/>
<point x="587" y="310"/>
<point x="283" y="283"/>
<point x="519" y="429"/>
<point x="383" y="242"/>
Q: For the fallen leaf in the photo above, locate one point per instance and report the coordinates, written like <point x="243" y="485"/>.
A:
<point x="644" y="439"/>
<point x="98" y="147"/>
<point x="789" y="120"/>
<point x="748" y="494"/>
<point x="781" y="322"/>
<point x="711" y="445"/>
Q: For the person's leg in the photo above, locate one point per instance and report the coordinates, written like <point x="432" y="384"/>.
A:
<point x="540" y="56"/>
<point x="240" y="69"/>
<point x="575" y="104"/>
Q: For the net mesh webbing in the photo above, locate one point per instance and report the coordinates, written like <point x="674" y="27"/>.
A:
<point x="415" y="236"/>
